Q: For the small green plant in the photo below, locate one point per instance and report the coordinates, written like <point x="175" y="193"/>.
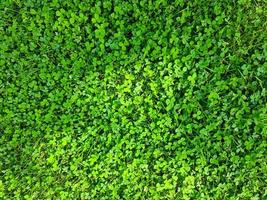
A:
<point x="133" y="99"/>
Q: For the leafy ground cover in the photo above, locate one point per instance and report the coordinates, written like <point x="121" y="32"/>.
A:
<point x="135" y="99"/>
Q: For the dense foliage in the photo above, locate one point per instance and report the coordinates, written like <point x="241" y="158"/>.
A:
<point x="135" y="99"/>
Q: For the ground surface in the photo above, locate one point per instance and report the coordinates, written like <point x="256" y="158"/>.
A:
<point x="133" y="100"/>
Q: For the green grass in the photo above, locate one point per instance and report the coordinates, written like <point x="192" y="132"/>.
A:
<point x="133" y="100"/>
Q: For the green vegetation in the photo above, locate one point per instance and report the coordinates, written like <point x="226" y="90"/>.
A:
<point x="133" y="100"/>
